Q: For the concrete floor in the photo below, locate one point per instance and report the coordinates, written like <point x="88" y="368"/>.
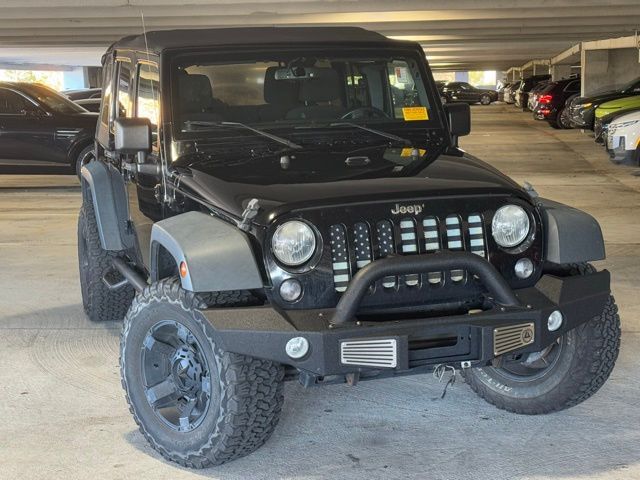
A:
<point x="63" y="413"/>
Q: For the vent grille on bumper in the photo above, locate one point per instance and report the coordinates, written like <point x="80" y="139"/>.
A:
<point x="382" y="353"/>
<point x="506" y="339"/>
<point x="366" y="242"/>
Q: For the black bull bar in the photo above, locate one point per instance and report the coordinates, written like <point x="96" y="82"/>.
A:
<point x="263" y="332"/>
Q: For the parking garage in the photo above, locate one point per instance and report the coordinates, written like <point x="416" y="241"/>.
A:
<point x="65" y="409"/>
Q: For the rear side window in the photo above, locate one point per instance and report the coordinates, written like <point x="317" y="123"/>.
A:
<point x="147" y="98"/>
<point x="573" y="87"/>
<point x="123" y="99"/>
<point x="105" y="114"/>
<point x="13" y="104"/>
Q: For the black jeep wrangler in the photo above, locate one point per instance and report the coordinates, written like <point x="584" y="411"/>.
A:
<point x="279" y="203"/>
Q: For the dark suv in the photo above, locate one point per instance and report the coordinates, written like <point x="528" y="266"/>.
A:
<point x="553" y="102"/>
<point x="290" y="203"/>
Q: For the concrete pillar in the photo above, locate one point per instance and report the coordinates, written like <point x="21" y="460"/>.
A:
<point x="608" y="68"/>
<point x="594" y="70"/>
<point x="558" y="72"/>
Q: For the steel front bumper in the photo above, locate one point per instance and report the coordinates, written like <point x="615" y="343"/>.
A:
<point x="334" y="335"/>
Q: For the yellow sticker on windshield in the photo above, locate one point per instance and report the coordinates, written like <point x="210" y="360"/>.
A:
<point x="415" y="113"/>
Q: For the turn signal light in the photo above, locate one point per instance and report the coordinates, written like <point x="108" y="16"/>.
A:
<point x="183" y="269"/>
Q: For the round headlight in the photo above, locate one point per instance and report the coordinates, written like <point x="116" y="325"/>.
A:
<point x="293" y="243"/>
<point x="510" y="226"/>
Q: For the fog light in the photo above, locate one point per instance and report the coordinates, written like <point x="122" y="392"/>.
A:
<point x="297" y="347"/>
<point x="524" y="268"/>
<point x="554" y="322"/>
<point x="290" y="290"/>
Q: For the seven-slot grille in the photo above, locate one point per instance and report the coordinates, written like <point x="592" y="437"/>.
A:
<point x="354" y="247"/>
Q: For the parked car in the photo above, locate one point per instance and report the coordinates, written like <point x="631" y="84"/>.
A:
<point x="510" y="92"/>
<point x="42" y="130"/>
<point x="467" y="93"/>
<point x="582" y="109"/>
<point x="522" y="93"/>
<point x="552" y="102"/>
<point x="90" y="104"/>
<point x="296" y="228"/>
<point x="535" y="93"/>
<point x="601" y="124"/>
<point x="606" y="112"/>
<point x="501" y="90"/>
<point x="622" y="138"/>
<point x="83" y="93"/>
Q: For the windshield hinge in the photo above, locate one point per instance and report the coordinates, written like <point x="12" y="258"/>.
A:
<point x="249" y="214"/>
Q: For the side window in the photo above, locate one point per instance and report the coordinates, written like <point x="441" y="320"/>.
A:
<point x="107" y="78"/>
<point x="573" y="87"/>
<point x="123" y="99"/>
<point x="13" y="104"/>
<point x="148" y="98"/>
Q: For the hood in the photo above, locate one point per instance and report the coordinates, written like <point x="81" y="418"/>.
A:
<point x="601" y="98"/>
<point x="614" y="105"/>
<point x="624" y="116"/>
<point x="317" y="178"/>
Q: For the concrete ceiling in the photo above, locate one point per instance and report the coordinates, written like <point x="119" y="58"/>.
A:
<point x="456" y="34"/>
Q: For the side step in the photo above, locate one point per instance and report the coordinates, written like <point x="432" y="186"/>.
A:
<point x="130" y="276"/>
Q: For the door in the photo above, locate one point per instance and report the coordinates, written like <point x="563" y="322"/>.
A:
<point x="27" y="132"/>
<point x="146" y="190"/>
<point x="467" y="93"/>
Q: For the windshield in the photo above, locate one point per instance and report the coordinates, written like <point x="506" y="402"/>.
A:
<point x="285" y="89"/>
<point x="53" y="101"/>
<point x="632" y="87"/>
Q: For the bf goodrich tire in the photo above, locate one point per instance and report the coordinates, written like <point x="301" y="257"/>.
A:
<point x="99" y="302"/>
<point x="583" y="360"/>
<point x="196" y="404"/>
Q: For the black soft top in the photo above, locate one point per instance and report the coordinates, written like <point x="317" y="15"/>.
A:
<point x="160" y="40"/>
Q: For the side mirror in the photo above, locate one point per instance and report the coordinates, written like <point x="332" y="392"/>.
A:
<point x="459" y="116"/>
<point x="133" y="136"/>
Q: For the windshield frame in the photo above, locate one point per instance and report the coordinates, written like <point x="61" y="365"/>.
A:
<point x="415" y="55"/>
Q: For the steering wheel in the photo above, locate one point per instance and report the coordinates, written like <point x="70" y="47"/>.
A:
<point x="364" y="112"/>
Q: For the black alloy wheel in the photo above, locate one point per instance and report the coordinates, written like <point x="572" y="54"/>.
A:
<point x="176" y="376"/>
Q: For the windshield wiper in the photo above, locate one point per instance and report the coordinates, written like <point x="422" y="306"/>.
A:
<point x="273" y="137"/>
<point x="390" y="136"/>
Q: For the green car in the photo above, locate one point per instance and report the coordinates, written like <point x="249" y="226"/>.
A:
<point x="615" y="105"/>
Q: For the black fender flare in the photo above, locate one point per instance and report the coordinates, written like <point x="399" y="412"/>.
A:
<point x="217" y="254"/>
<point x="571" y="235"/>
<point x="109" y="198"/>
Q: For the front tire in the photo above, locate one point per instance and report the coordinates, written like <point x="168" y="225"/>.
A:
<point x="563" y="119"/>
<point x="485" y="99"/>
<point x="561" y="376"/>
<point x="195" y="403"/>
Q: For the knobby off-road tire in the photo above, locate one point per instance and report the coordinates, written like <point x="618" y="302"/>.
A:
<point x="99" y="302"/>
<point x="584" y="362"/>
<point x="245" y="394"/>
